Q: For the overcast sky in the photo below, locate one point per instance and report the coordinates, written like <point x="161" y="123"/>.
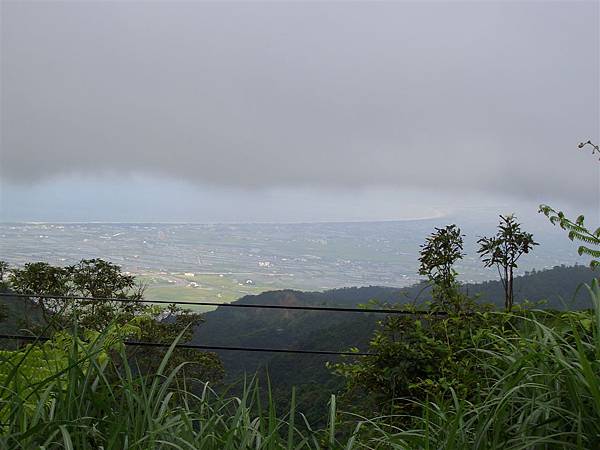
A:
<point x="295" y="111"/>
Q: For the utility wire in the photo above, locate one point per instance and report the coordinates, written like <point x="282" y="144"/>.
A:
<point x="206" y="347"/>
<point x="234" y="305"/>
<point x="226" y="305"/>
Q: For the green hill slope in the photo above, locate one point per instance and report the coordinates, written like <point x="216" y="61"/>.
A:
<point x="340" y="330"/>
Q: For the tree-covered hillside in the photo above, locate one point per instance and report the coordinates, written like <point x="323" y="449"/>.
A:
<point x="255" y="327"/>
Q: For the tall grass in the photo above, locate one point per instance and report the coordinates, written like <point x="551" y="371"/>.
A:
<point x="540" y="390"/>
<point x="88" y="406"/>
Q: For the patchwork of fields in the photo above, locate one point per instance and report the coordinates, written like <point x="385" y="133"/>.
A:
<point x="201" y="287"/>
<point x="222" y="262"/>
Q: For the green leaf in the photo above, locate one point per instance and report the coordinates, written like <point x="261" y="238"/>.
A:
<point x="583" y="250"/>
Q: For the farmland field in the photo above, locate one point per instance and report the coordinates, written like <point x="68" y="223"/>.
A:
<point x="222" y="262"/>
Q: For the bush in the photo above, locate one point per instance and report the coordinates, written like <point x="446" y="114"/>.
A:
<point x="415" y="357"/>
<point x="539" y="388"/>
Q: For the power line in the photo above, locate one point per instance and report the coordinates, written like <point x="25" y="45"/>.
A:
<point x="233" y="305"/>
<point x="206" y="347"/>
<point x="226" y="305"/>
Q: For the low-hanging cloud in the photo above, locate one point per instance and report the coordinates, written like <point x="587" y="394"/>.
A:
<point x="483" y="96"/>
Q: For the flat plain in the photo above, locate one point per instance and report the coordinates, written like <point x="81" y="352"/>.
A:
<point x="222" y="262"/>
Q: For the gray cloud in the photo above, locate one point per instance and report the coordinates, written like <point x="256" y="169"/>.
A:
<point x="482" y="96"/>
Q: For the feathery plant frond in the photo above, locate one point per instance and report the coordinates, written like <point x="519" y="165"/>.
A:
<point x="576" y="228"/>
<point x="595" y="148"/>
<point x="577" y="233"/>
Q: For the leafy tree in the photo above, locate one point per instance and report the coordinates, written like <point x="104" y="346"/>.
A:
<point x="3" y="308"/>
<point x="104" y="280"/>
<point x="36" y="280"/>
<point x="504" y="250"/>
<point x="40" y="278"/>
<point x="165" y="325"/>
<point x="101" y="279"/>
<point x="442" y="249"/>
<point x="577" y="229"/>
<point x="88" y="278"/>
<point x="3" y="269"/>
<point x="414" y="358"/>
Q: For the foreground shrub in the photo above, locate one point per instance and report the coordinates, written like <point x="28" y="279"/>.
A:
<point x="67" y="393"/>
<point x="540" y="389"/>
<point x="415" y="357"/>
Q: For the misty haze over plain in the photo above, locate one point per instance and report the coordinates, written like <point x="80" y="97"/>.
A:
<point x="295" y="111"/>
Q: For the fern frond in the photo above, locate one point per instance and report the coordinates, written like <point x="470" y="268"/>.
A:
<point x="583" y="250"/>
<point x="576" y="232"/>
<point x="573" y="235"/>
<point x="568" y="225"/>
<point x="546" y="210"/>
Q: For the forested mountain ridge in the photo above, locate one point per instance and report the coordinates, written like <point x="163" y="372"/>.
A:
<point x="557" y="288"/>
<point x="254" y="327"/>
<point x="553" y="288"/>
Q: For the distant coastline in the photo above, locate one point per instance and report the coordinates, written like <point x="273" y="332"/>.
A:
<point x="436" y="215"/>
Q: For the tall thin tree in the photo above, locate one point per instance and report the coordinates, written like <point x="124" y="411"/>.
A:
<point x="504" y="250"/>
<point x="442" y="249"/>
